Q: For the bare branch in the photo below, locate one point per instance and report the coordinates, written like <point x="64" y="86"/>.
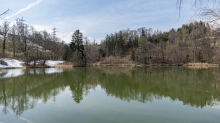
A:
<point x="197" y="3"/>
<point x="4" y="12"/>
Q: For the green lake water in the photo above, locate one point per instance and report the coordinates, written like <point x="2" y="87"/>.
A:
<point x="110" y="95"/>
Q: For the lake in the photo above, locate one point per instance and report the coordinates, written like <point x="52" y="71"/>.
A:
<point x="110" y="95"/>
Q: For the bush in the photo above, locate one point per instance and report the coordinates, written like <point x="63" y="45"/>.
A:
<point x="3" y="62"/>
<point x="199" y="57"/>
<point x="132" y="55"/>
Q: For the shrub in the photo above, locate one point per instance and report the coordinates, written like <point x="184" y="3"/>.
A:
<point x="3" y="62"/>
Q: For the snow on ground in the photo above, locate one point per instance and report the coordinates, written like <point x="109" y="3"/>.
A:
<point x="11" y="63"/>
<point x="3" y="66"/>
<point x="16" y="63"/>
<point x="53" y="63"/>
<point x="48" y="62"/>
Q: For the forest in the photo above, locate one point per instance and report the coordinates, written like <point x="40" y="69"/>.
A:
<point x="196" y="42"/>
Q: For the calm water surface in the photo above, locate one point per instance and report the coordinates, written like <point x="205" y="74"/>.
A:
<point x="110" y="95"/>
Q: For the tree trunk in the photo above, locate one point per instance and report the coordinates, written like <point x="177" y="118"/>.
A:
<point x="3" y="47"/>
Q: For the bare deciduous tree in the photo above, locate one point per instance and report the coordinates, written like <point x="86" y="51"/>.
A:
<point x="5" y="31"/>
<point x="13" y="38"/>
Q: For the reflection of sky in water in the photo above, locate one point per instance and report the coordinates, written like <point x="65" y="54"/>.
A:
<point x="97" y="107"/>
<point x="89" y="95"/>
<point x="53" y="70"/>
<point x="216" y="105"/>
<point x="11" y="117"/>
<point x="7" y="73"/>
<point x="45" y="71"/>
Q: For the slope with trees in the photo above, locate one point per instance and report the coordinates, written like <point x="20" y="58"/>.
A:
<point x="194" y="42"/>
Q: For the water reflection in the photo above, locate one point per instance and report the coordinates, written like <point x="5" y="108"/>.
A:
<point x="8" y="73"/>
<point x="194" y="87"/>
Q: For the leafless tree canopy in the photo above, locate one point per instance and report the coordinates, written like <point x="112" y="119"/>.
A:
<point x="21" y="41"/>
<point x="197" y="3"/>
<point x="205" y="10"/>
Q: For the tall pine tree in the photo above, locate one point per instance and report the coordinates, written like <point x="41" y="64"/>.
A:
<point x="78" y="48"/>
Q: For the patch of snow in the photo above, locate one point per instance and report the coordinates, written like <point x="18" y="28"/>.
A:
<point x="36" y="62"/>
<point x="11" y="63"/>
<point x="53" y="63"/>
<point x="3" y="66"/>
<point x="16" y="63"/>
<point x="48" y="62"/>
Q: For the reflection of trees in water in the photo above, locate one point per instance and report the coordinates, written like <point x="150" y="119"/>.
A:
<point x="24" y="92"/>
<point x="77" y="85"/>
<point x="194" y="87"/>
<point x="216" y="94"/>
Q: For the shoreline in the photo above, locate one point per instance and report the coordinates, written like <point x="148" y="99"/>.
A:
<point x="8" y="63"/>
<point x="27" y="67"/>
<point x="188" y="65"/>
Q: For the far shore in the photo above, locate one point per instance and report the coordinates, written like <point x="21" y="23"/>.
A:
<point x="188" y="65"/>
<point x="26" y="67"/>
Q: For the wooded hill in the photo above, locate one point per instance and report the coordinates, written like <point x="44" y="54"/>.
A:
<point x="21" y="41"/>
<point x="194" y="42"/>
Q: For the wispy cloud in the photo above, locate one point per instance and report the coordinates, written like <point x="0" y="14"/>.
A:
<point x="23" y="9"/>
<point x="96" y="19"/>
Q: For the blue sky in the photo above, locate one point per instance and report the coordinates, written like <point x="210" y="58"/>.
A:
<point x="96" y="18"/>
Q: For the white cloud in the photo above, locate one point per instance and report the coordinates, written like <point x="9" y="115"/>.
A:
<point x="21" y="10"/>
<point x="43" y="27"/>
<point x="65" y="36"/>
<point x="12" y="23"/>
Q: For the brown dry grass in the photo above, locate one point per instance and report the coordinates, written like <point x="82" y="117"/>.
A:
<point x="116" y="60"/>
<point x="200" y="65"/>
